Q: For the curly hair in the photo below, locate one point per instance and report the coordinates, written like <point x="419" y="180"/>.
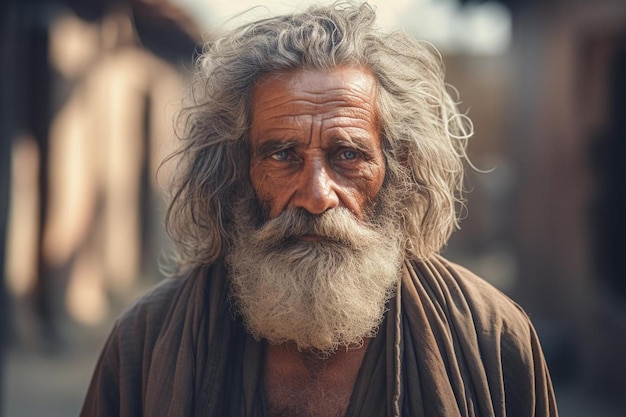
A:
<point x="424" y="135"/>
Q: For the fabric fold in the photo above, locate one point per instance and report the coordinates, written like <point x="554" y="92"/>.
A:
<point x="450" y="345"/>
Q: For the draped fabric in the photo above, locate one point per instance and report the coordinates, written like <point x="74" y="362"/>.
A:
<point x="450" y="345"/>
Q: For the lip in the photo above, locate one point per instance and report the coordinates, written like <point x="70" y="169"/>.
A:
<point x="310" y="238"/>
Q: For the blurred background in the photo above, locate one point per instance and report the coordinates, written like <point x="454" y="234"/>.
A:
<point x="89" y="90"/>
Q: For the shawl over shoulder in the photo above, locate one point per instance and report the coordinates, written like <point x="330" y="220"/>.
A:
<point x="451" y="345"/>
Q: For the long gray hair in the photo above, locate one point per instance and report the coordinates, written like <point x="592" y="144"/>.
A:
<point x="424" y="135"/>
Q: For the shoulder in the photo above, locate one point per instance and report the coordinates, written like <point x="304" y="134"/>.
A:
<point x="119" y="380"/>
<point x="468" y="301"/>
<point x="137" y="329"/>
<point x="505" y="338"/>
<point x="154" y="304"/>
<point x="484" y="329"/>
<point x="168" y="302"/>
<point x="480" y="296"/>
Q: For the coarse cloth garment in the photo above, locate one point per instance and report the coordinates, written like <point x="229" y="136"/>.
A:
<point x="450" y="345"/>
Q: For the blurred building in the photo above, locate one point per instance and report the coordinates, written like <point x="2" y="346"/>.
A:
<point x="90" y="91"/>
<point x="547" y="225"/>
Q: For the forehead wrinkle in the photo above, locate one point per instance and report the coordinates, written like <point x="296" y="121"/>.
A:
<point x="349" y="114"/>
<point x="290" y="107"/>
<point x="342" y="131"/>
<point x="343" y="122"/>
<point x="347" y="100"/>
<point x="304" y="105"/>
<point x="347" y="121"/>
<point x="339" y="95"/>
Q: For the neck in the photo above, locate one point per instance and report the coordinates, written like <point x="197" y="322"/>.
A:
<point x="296" y="380"/>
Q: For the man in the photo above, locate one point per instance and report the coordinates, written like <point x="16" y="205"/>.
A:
<point x="321" y="165"/>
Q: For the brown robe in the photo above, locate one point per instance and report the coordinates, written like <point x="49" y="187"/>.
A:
<point x="451" y="345"/>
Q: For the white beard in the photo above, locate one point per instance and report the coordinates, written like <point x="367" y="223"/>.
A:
<point x="321" y="295"/>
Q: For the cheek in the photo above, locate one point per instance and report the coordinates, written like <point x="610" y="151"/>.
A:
<point x="379" y="178"/>
<point x="260" y="183"/>
<point x="266" y="190"/>
<point x="376" y="178"/>
<point x="363" y="193"/>
<point x="257" y="183"/>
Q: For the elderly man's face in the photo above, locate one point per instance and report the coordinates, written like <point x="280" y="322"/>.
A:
<point x="315" y="141"/>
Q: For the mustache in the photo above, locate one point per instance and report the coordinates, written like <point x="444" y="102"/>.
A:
<point x="336" y="225"/>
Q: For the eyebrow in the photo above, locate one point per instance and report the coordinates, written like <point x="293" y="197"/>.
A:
<point x="360" y="144"/>
<point x="272" y="146"/>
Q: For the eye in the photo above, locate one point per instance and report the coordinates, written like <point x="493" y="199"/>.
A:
<point x="280" y="155"/>
<point x="348" y="155"/>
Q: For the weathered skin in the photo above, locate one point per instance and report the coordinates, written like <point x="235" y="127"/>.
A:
<point x="315" y="145"/>
<point x="315" y="141"/>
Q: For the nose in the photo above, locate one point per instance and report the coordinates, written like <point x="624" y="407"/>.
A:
<point x="316" y="191"/>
